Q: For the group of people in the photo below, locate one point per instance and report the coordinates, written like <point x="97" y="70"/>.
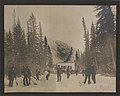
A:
<point x="45" y="74"/>
<point x="27" y="74"/>
<point x="59" y="72"/>
<point x="90" y="71"/>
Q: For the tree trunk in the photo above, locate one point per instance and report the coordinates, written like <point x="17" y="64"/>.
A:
<point x="112" y="54"/>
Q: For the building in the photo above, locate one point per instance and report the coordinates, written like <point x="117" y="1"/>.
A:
<point x="64" y="65"/>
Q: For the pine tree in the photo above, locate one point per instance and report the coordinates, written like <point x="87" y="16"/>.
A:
<point x="86" y="36"/>
<point x="33" y="40"/>
<point x="93" y="37"/>
<point x="106" y="26"/>
<point x="106" y="35"/>
<point x="19" y="47"/>
<point x="47" y="54"/>
<point x="8" y="49"/>
<point x="50" y="64"/>
<point x="41" y="46"/>
<point x="77" y="61"/>
<point x="93" y="45"/>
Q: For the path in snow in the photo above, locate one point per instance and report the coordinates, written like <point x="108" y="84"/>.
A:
<point x="73" y="84"/>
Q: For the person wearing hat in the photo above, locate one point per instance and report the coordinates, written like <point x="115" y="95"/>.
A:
<point x="93" y="73"/>
<point x="11" y="76"/>
<point x="59" y="72"/>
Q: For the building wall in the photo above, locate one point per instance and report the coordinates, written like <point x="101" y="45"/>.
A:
<point x="65" y="65"/>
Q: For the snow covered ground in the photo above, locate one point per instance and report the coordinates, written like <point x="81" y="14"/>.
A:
<point x="73" y="84"/>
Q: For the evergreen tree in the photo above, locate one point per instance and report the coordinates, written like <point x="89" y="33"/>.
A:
<point x="47" y="53"/>
<point x="33" y="40"/>
<point x="93" y="37"/>
<point x="19" y="47"/>
<point x="50" y="64"/>
<point x="86" y="36"/>
<point x="8" y="50"/>
<point x="106" y="26"/>
<point x="77" y="61"/>
<point x="41" y="46"/>
<point x="93" y="45"/>
<point x="106" y="35"/>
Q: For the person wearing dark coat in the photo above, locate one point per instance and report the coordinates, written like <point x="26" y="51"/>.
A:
<point x="25" y="78"/>
<point x="11" y="76"/>
<point x="87" y="74"/>
<point x="68" y="72"/>
<point x="93" y="73"/>
<point x="59" y="72"/>
<point x="28" y="75"/>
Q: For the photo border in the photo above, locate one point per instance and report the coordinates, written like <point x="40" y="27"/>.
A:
<point x="59" y="2"/>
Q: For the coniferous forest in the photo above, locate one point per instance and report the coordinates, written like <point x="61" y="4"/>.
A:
<point x="100" y="45"/>
<point x="27" y="49"/>
<point x="32" y="48"/>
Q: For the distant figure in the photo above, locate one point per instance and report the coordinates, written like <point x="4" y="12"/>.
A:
<point x="11" y="76"/>
<point x="93" y="72"/>
<point x="28" y="75"/>
<point x="87" y="74"/>
<point x="76" y="72"/>
<point x="37" y="74"/>
<point x="46" y="74"/>
<point x="59" y="72"/>
<point x="68" y="72"/>
<point x="25" y="78"/>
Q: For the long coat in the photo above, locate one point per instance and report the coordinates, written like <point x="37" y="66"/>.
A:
<point x="11" y="74"/>
<point x="26" y="72"/>
<point x="93" y="70"/>
<point x="88" y="71"/>
<point x="68" y="71"/>
<point x="59" y="71"/>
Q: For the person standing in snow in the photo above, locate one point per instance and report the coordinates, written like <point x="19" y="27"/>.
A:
<point x="93" y="73"/>
<point x="11" y="76"/>
<point x="46" y="73"/>
<point x="37" y="74"/>
<point x="28" y="75"/>
<point x="59" y="72"/>
<point x="68" y="72"/>
<point x="25" y="78"/>
<point x="87" y="74"/>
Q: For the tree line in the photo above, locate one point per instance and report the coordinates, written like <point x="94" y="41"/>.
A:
<point x="27" y="48"/>
<point x="33" y="48"/>
<point x="100" y="45"/>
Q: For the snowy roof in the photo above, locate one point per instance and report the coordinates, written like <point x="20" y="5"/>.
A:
<point x="66" y="64"/>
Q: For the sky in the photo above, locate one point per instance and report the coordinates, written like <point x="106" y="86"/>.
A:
<point x="59" y="22"/>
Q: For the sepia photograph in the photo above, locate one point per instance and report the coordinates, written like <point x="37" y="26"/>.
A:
<point x="59" y="48"/>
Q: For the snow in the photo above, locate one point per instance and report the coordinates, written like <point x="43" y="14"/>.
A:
<point x="73" y="84"/>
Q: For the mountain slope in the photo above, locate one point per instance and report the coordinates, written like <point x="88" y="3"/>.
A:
<point x="61" y="51"/>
